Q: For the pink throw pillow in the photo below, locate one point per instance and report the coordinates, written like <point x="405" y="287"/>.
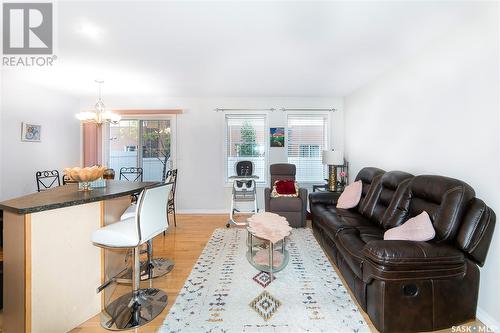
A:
<point x="351" y="196"/>
<point x="418" y="228"/>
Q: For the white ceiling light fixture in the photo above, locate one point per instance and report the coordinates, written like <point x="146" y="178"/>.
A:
<point x="99" y="115"/>
<point x="90" y="31"/>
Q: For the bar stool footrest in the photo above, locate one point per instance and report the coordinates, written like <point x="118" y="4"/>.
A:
<point x="160" y="267"/>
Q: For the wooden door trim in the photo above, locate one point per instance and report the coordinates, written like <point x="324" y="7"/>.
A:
<point x="27" y="273"/>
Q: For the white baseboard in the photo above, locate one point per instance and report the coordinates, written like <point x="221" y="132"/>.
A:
<point x="203" y="211"/>
<point x="487" y="319"/>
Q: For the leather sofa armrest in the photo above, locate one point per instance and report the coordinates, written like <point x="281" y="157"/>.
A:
<point x="325" y="198"/>
<point x="267" y="198"/>
<point x="410" y="253"/>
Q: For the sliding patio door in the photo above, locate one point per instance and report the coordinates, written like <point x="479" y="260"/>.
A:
<point x="144" y="143"/>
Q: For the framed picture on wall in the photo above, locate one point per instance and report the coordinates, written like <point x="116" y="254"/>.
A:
<point x="277" y="136"/>
<point x="30" y="132"/>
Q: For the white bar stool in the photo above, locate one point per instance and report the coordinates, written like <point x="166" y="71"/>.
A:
<point x="152" y="267"/>
<point x="140" y="306"/>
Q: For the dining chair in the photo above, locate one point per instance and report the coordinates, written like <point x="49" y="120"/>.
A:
<point x="172" y="178"/>
<point x="108" y="174"/>
<point x="67" y="180"/>
<point x="132" y="174"/>
<point x="47" y="179"/>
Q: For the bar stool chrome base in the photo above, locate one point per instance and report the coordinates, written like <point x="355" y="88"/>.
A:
<point x="124" y="313"/>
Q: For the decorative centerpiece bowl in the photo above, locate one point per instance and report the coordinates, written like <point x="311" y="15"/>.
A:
<point x="85" y="175"/>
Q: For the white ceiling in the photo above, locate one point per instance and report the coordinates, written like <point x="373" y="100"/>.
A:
<point x="246" y="49"/>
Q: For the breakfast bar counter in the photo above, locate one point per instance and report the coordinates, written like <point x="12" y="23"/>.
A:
<point x="51" y="267"/>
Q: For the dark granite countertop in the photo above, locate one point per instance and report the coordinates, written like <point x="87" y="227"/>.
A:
<point x="68" y="195"/>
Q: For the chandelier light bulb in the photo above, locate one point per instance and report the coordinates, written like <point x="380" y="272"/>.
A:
<point x="100" y="115"/>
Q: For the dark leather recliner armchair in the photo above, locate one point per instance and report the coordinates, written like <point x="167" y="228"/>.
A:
<point x="408" y="286"/>
<point x="294" y="209"/>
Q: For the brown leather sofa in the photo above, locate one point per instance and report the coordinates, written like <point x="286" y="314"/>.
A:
<point x="294" y="209"/>
<point x="407" y="286"/>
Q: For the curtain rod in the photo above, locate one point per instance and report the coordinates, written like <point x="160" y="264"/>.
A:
<point x="281" y="109"/>
<point x="224" y="109"/>
<point x="309" y="109"/>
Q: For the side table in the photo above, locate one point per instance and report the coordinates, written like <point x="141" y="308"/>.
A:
<point x="324" y="188"/>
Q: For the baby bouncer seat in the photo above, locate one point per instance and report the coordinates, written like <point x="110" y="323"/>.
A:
<point x="244" y="191"/>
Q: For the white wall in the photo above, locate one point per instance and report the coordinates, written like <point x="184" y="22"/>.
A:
<point x="200" y="142"/>
<point x="438" y="113"/>
<point x="60" y="134"/>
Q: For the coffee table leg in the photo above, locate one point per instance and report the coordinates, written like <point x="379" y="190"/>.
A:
<point x="271" y="260"/>
<point x="251" y="243"/>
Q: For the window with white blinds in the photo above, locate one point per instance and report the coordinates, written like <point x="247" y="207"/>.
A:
<point x="307" y="138"/>
<point x="246" y="141"/>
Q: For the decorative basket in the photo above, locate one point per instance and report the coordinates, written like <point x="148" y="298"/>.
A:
<point x="85" y="175"/>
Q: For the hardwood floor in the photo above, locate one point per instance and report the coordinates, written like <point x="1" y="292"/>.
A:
<point x="183" y="244"/>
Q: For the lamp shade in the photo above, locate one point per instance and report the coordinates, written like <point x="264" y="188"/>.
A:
<point x="333" y="157"/>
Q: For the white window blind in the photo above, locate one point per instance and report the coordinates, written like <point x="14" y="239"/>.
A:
<point x="307" y="138"/>
<point x="246" y="141"/>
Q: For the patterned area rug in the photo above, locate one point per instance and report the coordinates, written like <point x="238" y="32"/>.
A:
<point x="224" y="293"/>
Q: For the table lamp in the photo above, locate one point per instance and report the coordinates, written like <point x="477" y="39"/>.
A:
<point x="332" y="158"/>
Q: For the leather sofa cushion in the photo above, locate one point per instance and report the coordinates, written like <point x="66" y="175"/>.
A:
<point x="317" y="210"/>
<point x="350" y="246"/>
<point x="351" y="213"/>
<point x="368" y="176"/>
<point x="370" y="233"/>
<point x="325" y="198"/>
<point x="285" y="204"/>
<point x="333" y="220"/>
<point x="444" y="199"/>
<point x="382" y="193"/>
<point x="351" y="242"/>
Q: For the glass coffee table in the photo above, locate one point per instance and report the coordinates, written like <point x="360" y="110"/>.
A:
<point x="262" y="250"/>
